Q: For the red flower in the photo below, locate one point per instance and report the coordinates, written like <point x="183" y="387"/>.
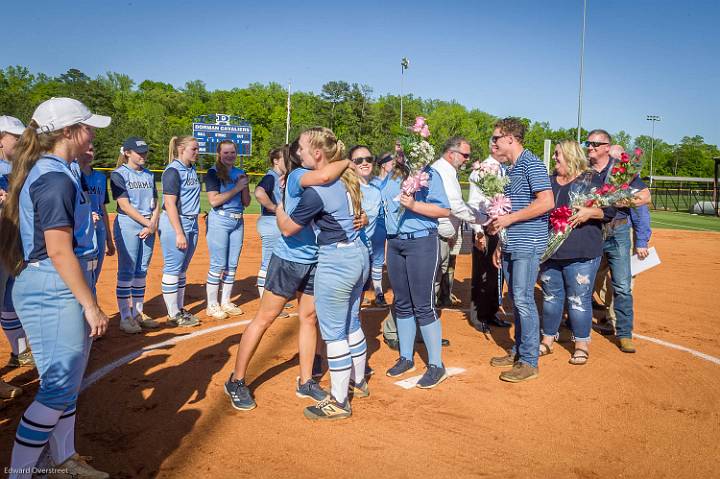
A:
<point x="624" y="156"/>
<point x="559" y="219"/>
<point x="624" y="186"/>
<point x="614" y="170"/>
<point x="590" y="203"/>
<point x="638" y="152"/>
<point x="622" y="169"/>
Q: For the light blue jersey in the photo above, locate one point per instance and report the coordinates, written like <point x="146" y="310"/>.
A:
<point x="97" y="189"/>
<point x="214" y="183"/>
<point x="137" y="186"/>
<point x="302" y="247"/>
<point x="5" y="170"/>
<point x="372" y="205"/>
<point x="400" y="220"/>
<point x="182" y="181"/>
<point x="52" y="197"/>
<point x="329" y="206"/>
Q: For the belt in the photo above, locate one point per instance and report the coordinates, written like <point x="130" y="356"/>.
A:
<point x="346" y="244"/>
<point x="415" y="235"/>
<point x="90" y="264"/>
<point x="235" y="216"/>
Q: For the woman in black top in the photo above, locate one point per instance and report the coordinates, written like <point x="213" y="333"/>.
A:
<point x="570" y="272"/>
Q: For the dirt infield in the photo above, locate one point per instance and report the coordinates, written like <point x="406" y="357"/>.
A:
<point x="652" y="414"/>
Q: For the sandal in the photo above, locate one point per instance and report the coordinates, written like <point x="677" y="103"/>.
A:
<point x="579" y="357"/>
<point x="545" y="350"/>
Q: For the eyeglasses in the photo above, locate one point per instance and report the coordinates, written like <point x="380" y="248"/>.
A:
<point x="595" y="144"/>
<point x="464" y="155"/>
<point x="494" y="139"/>
<point x="359" y="161"/>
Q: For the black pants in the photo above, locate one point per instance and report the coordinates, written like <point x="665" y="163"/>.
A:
<point x="484" y="283"/>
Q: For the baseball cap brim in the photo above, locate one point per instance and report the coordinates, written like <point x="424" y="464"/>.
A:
<point x="98" y="121"/>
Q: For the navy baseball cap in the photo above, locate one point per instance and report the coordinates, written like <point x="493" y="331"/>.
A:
<point x="135" y="144"/>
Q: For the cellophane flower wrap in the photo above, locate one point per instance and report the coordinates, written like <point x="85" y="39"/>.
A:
<point x="418" y="153"/>
<point x="622" y="173"/>
<point x="491" y="182"/>
<point x="560" y="229"/>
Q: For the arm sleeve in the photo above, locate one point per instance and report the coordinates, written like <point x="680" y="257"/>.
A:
<point x="267" y="183"/>
<point x="436" y="190"/>
<point x="537" y="176"/>
<point x="117" y="185"/>
<point x="640" y="218"/>
<point x="171" y="182"/>
<point x="53" y="198"/>
<point x="638" y="183"/>
<point x="212" y="182"/>
<point x="309" y="206"/>
<point x="106" y="200"/>
<point x="458" y="208"/>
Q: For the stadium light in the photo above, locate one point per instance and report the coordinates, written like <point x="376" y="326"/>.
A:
<point x="404" y="64"/>
<point x="653" y="119"/>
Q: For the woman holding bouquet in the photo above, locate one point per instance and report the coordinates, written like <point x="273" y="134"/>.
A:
<point x="570" y="272"/>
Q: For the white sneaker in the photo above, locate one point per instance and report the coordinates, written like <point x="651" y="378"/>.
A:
<point x="216" y="312"/>
<point x="130" y="326"/>
<point x="232" y="309"/>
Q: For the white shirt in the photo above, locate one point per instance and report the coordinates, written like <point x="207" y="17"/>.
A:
<point x="459" y="210"/>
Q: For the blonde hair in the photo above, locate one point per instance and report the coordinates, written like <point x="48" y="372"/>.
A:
<point x="222" y="171"/>
<point x="334" y="150"/>
<point x="175" y="143"/>
<point x="574" y="158"/>
<point x="28" y="150"/>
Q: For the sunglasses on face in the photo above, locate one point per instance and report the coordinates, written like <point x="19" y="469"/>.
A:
<point x="367" y="159"/>
<point x="464" y="155"/>
<point x="595" y="144"/>
<point x="494" y="139"/>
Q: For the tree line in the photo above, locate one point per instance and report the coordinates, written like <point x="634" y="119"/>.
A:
<point x="156" y="111"/>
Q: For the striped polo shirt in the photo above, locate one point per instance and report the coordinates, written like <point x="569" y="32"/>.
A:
<point x="528" y="177"/>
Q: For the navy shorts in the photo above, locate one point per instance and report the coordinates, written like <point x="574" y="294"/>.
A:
<point x="285" y="278"/>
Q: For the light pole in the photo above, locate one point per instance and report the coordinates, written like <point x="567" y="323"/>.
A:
<point x="653" y="119"/>
<point x="582" y="65"/>
<point x="287" y="118"/>
<point x="404" y="64"/>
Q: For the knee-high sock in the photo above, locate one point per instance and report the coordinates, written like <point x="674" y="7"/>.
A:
<point x="32" y="434"/>
<point x="432" y="336"/>
<point x="376" y="275"/>
<point x="14" y="331"/>
<point x="228" y="280"/>
<point x="123" y="292"/>
<point x="358" y="351"/>
<point x="340" y="364"/>
<point x="62" y="438"/>
<point x="406" y="329"/>
<point x="261" y="282"/>
<point x="138" y="295"/>
<point x="182" y="279"/>
<point x="170" y="293"/>
<point x="212" y="287"/>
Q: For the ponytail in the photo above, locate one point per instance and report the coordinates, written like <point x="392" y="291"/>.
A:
<point x="175" y="143"/>
<point x="122" y="159"/>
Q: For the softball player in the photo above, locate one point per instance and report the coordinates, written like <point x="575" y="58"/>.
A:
<point x="178" y="225"/>
<point x="268" y="192"/>
<point x="228" y="194"/>
<point x="342" y="270"/>
<point x="48" y="237"/>
<point x="412" y="257"/>
<point x="97" y="189"/>
<point x="291" y="272"/>
<point x="10" y="130"/>
<point x="138" y="214"/>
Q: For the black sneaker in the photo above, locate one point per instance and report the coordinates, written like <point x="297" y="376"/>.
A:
<point x="317" y="370"/>
<point x="402" y="366"/>
<point x="433" y="376"/>
<point x="239" y="393"/>
<point x="311" y="390"/>
<point x="380" y="300"/>
<point x="22" y="360"/>
<point x="328" y="409"/>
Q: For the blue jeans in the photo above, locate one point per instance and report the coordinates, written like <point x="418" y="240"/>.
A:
<point x="269" y="235"/>
<point x="617" y="249"/>
<point x="521" y="272"/>
<point x="339" y="279"/>
<point x="176" y="261"/>
<point x="225" y="241"/>
<point x="574" y="280"/>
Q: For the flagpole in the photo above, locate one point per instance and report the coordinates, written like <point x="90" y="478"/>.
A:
<point x="287" y="120"/>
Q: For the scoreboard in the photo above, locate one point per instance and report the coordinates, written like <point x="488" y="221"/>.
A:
<point x="225" y="127"/>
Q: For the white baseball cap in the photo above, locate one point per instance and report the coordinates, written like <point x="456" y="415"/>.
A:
<point x="57" y="113"/>
<point x="10" y="124"/>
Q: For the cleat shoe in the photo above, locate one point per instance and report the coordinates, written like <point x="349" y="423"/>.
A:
<point x="130" y="326"/>
<point x="239" y="393"/>
<point x="402" y="366"/>
<point x="520" y="372"/>
<point x="506" y="361"/>
<point x="361" y="390"/>
<point x="317" y="370"/>
<point x="328" y="409"/>
<point x="184" y="319"/>
<point x="76" y="466"/>
<point x="231" y="309"/>
<point x="368" y="371"/>
<point x="433" y="376"/>
<point x="22" y="360"/>
<point x="288" y="305"/>
<point x="311" y="390"/>
<point x="8" y="391"/>
<point x="626" y="345"/>
<point x="216" y="312"/>
<point x="380" y="300"/>
<point x="146" y="322"/>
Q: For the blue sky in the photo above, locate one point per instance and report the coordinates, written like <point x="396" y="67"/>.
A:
<point x="507" y="58"/>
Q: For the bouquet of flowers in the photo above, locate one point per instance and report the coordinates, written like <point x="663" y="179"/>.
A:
<point x="491" y="181"/>
<point x="418" y="153"/>
<point x="560" y="230"/>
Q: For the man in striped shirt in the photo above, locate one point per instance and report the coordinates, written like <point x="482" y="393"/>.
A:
<point x="531" y="196"/>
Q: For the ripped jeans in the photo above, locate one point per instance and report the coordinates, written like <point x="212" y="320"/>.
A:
<point x="572" y="280"/>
